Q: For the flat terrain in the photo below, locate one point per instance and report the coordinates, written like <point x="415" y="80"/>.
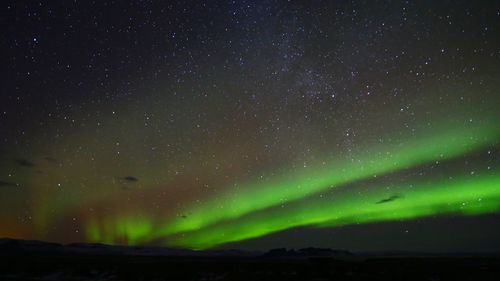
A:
<point x="35" y="263"/>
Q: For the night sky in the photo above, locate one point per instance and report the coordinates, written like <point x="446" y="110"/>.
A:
<point x="361" y="125"/>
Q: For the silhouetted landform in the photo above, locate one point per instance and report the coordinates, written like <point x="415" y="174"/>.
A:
<point x="307" y="252"/>
<point x="33" y="246"/>
<point x="35" y="260"/>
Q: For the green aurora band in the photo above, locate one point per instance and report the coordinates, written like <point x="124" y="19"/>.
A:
<point x="468" y="196"/>
<point x="251" y="210"/>
<point x="440" y="146"/>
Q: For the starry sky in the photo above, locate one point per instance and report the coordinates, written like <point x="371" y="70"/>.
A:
<point x="362" y="125"/>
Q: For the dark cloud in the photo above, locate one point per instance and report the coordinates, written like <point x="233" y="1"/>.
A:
<point x="130" y="179"/>
<point x="390" y="199"/>
<point x="127" y="179"/>
<point x="24" y="163"/>
<point x="50" y="159"/>
<point x="7" y="184"/>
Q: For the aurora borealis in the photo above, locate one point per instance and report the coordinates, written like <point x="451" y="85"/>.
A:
<point x="202" y="125"/>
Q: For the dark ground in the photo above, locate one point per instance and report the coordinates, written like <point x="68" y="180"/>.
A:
<point x="56" y="262"/>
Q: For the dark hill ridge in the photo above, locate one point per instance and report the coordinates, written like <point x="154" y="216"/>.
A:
<point x="307" y="252"/>
<point x="13" y="245"/>
<point x="8" y="245"/>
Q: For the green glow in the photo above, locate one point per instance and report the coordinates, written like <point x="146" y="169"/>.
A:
<point x="381" y="159"/>
<point x="467" y="195"/>
<point x="255" y="209"/>
<point x="127" y="230"/>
